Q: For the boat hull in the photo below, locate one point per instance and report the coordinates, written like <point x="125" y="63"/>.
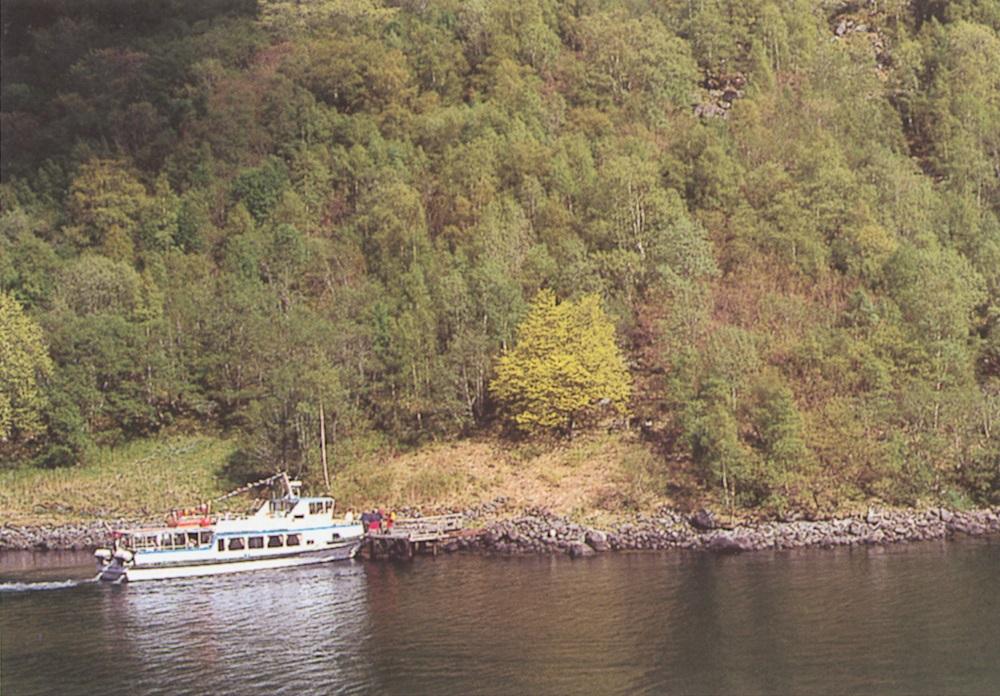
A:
<point x="117" y="571"/>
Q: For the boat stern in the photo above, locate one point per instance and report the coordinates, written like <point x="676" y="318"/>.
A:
<point x="112" y="566"/>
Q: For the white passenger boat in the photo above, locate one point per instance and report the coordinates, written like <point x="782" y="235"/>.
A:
<point x="285" y="531"/>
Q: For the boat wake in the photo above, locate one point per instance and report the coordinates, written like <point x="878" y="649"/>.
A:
<point x="33" y="586"/>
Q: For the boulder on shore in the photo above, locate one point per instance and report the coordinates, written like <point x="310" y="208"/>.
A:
<point x="597" y="540"/>
<point x="703" y="519"/>
<point x="730" y="544"/>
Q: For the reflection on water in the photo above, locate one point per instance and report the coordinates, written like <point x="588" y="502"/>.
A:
<point x="917" y="619"/>
<point x="259" y="634"/>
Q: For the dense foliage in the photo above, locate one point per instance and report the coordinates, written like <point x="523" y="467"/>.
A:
<point x="566" y="368"/>
<point x="23" y="360"/>
<point x="229" y="214"/>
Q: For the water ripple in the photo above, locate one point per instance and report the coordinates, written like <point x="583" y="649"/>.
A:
<point x="919" y="620"/>
<point x="36" y="586"/>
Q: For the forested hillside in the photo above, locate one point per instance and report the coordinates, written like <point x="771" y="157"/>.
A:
<point x="228" y="215"/>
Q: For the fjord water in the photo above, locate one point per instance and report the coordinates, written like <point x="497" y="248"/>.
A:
<point x="920" y="619"/>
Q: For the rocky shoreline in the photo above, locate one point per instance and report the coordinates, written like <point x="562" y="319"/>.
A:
<point x="538" y="531"/>
<point x="491" y="530"/>
<point x="68" y="537"/>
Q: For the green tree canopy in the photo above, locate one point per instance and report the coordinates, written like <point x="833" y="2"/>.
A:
<point x="236" y="214"/>
<point x="565" y="366"/>
<point x="24" y="362"/>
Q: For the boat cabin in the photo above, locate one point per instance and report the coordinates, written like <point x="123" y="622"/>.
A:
<point x="172" y="539"/>
<point x="259" y="541"/>
<point x="296" y="508"/>
<point x="277" y="523"/>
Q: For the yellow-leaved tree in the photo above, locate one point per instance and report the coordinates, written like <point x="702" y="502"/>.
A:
<point x="24" y="362"/>
<point x="564" y="367"/>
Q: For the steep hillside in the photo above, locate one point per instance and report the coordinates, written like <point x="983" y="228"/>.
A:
<point x="257" y="217"/>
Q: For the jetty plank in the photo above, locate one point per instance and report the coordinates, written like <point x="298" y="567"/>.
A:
<point x="413" y="535"/>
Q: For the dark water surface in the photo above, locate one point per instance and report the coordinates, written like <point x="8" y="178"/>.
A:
<point x="920" y="619"/>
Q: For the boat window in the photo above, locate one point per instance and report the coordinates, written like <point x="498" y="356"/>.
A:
<point x="205" y="538"/>
<point x="179" y="539"/>
<point x="328" y="506"/>
<point x="256" y="542"/>
<point x="222" y="544"/>
<point x="192" y="539"/>
<point x="236" y="544"/>
<point x="294" y="540"/>
<point x="275" y="541"/>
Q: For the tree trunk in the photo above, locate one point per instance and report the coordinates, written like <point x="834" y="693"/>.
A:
<point x="322" y="446"/>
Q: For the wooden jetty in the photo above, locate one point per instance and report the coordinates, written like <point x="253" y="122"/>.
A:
<point x="412" y="535"/>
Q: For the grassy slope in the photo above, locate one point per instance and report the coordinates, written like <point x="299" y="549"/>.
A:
<point x="140" y="479"/>
<point x="594" y="476"/>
